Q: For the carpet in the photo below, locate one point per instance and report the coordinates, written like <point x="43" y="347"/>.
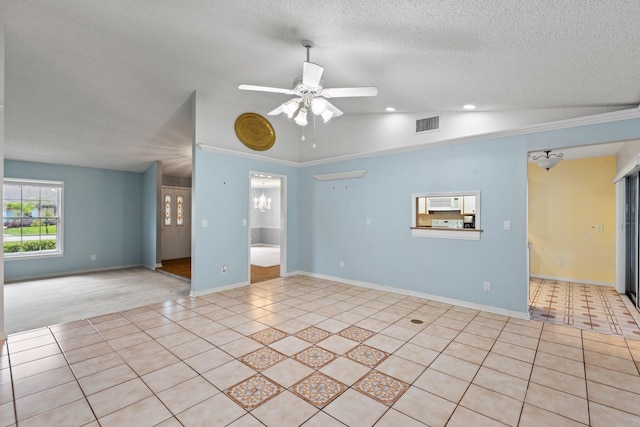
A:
<point x="265" y="256"/>
<point x="32" y="304"/>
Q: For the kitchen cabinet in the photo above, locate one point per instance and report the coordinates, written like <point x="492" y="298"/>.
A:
<point x="468" y="205"/>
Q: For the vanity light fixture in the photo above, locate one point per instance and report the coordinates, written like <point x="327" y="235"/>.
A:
<point x="548" y="159"/>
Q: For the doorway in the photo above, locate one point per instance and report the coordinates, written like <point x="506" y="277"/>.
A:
<point x="266" y="226"/>
<point x="176" y="231"/>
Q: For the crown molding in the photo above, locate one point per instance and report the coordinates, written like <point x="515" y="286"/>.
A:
<point x="614" y="116"/>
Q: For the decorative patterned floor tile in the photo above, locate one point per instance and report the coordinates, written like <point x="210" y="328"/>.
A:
<point x="368" y="356"/>
<point x="381" y="387"/>
<point x="262" y="358"/>
<point x="357" y="334"/>
<point x="315" y="357"/>
<point x="318" y="389"/>
<point x="268" y="336"/>
<point x="313" y="334"/>
<point x="253" y="392"/>
<point x="579" y="305"/>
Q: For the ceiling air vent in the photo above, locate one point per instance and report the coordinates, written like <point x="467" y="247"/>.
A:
<point x="428" y="124"/>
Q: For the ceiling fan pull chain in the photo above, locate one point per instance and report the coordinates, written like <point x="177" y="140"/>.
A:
<point x="314" y="132"/>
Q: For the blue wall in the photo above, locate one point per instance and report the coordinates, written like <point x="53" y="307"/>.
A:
<point x="385" y="253"/>
<point x="102" y="216"/>
<point x="221" y="196"/>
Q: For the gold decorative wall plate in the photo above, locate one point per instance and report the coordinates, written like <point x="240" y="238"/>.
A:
<point x="255" y="131"/>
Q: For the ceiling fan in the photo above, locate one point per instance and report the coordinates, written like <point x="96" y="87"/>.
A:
<point x="310" y="93"/>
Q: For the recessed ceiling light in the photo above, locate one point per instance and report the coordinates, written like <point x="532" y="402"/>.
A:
<point x="390" y="109"/>
<point x="469" y="107"/>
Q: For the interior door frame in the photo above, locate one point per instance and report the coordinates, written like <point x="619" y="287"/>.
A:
<point x="283" y="221"/>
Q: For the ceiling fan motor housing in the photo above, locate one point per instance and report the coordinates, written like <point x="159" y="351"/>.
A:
<point x="301" y="89"/>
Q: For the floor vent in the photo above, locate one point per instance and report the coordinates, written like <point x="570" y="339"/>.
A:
<point x="428" y="124"/>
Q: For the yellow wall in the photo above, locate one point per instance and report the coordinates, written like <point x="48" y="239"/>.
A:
<point x="565" y="205"/>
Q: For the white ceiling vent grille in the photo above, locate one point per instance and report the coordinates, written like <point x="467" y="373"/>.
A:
<point x="428" y="124"/>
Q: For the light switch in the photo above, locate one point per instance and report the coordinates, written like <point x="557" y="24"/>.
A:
<point x="506" y="225"/>
<point x="368" y="221"/>
<point x="204" y="223"/>
<point x="244" y="222"/>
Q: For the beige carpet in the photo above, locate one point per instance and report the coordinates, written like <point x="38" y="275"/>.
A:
<point x="265" y="256"/>
<point x="37" y="303"/>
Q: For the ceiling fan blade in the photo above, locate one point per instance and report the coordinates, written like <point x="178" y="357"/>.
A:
<point x="335" y="110"/>
<point x="311" y="74"/>
<point x="345" y="92"/>
<point x="266" y="89"/>
<point x="276" y="111"/>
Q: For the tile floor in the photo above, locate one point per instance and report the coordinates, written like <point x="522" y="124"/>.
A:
<point x="591" y="307"/>
<point x="304" y="351"/>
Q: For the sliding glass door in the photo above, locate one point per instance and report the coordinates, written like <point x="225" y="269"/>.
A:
<point x="631" y="234"/>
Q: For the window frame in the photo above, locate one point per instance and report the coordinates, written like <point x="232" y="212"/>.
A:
<point x="59" y="251"/>
<point x="444" y="233"/>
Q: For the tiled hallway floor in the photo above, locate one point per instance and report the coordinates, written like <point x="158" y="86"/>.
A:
<point x="304" y="351"/>
<point x="591" y="307"/>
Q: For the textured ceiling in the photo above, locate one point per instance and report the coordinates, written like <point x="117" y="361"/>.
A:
<point x="108" y="84"/>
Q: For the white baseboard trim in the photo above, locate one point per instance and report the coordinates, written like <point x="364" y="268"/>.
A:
<point x="570" y="279"/>
<point x="158" y="265"/>
<point x="194" y="294"/>
<point x="460" y="303"/>
<point x="70" y="273"/>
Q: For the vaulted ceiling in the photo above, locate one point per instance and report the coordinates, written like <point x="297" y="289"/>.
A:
<point x="108" y="84"/>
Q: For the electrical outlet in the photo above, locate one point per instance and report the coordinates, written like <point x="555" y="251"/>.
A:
<point x="205" y="223"/>
<point x="223" y="269"/>
<point x="487" y="286"/>
<point x="93" y="257"/>
<point x="506" y="224"/>
<point x="560" y="263"/>
<point x="342" y="264"/>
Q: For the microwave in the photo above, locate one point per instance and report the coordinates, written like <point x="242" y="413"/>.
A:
<point x="443" y="203"/>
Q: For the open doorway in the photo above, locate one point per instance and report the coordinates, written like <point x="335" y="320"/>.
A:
<point x="176" y="231"/>
<point x="572" y="233"/>
<point x="267" y="227"/>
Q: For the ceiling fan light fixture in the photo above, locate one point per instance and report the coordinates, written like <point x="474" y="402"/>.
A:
<point x="318" y="106"/>
<point x="326" y="115"/>
<point x="290" y="107"/>
<point x="301" y="118"/>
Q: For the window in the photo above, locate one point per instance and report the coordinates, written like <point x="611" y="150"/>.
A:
<point x="446" y="215"/>
<point x="167" y="209"/>
<point x="32" y="212"/>
<point x="179" y="217"/>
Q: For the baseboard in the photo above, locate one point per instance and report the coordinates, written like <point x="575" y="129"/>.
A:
<point x="70" y="273"/>
<point x="570" y="279"/>
<point x="452" y="301"/>
<point x="194" y="294"/>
